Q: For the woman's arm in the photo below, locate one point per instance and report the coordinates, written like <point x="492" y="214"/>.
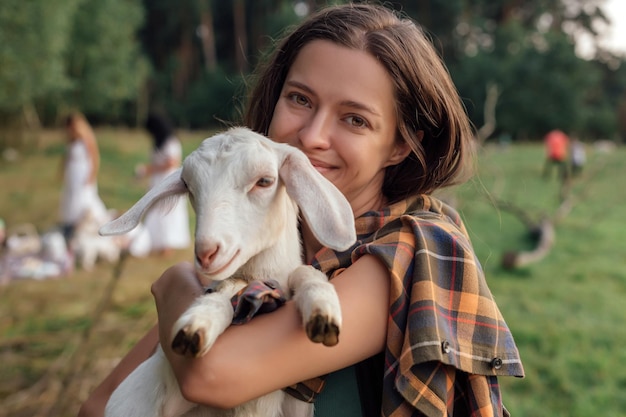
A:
<point x="94" y="156"/>
<point x="273" y="351"/>
<point x="95" y="404"/>
<point x="144" y="170"/>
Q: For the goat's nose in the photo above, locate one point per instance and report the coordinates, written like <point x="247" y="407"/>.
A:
<point x="206" y="254"/>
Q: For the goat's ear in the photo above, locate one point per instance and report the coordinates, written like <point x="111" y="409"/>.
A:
<point x="171" y="186"/>
<point x="323" y="206"/>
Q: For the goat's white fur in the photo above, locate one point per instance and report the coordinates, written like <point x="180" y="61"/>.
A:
<point x="88" y="246"/>
<point x="247" y="192"/>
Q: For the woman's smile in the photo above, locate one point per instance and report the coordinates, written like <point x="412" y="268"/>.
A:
<point x="320" y="166"/>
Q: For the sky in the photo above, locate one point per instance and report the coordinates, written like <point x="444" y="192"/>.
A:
<point x="616" y="10"/>
<point x="614" y="37"/>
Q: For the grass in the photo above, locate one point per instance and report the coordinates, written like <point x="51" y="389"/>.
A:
<point x="565" y="311"/>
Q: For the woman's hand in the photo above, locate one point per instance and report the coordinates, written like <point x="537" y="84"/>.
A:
<point x="173" y="293"/>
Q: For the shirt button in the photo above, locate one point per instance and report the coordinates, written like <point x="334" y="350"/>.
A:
<point x="445" y="346"/>
<point x="496" y="363"/>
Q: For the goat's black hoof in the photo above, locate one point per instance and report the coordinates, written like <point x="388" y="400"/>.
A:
<point x="321" y="330"/>
<point x="187" y="345"/>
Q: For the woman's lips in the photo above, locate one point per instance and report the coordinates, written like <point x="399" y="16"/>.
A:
<point x="321" y="166"/>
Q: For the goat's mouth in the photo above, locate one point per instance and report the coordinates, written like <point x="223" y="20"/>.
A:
<point x="215" y="273"/>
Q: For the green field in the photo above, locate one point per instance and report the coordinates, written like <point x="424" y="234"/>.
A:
<point x="565" y="311"/>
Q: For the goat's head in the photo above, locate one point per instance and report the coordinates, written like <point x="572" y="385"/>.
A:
<point x="238" y="183"/>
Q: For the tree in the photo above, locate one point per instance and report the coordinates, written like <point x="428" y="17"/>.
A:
<point x="201" y="50"/>
<point x="104" y="60"/>
<point x="69" y="53"/>
<point x="89" y="54"/>
<point x="527" y="49"/>
<point x="33" y="35"/>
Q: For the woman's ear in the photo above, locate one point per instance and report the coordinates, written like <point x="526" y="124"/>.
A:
<point x="401" y="150"/>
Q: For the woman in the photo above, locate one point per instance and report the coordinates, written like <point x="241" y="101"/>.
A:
<point x="168" y="230"/>
<point x="80" y="165"/>
<point x="365" y="96"/>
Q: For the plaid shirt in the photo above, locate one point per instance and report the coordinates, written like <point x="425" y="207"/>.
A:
<point x="446" y="339"/>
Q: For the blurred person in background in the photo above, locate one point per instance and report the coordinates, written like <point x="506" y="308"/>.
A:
<point x="579" y="157"/>
<point x="557" y="150"/>
<point x="168" y="231"/>
<point x="81" y="161"/>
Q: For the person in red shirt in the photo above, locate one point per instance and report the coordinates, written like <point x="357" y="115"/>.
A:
<point x="557" y="145"/>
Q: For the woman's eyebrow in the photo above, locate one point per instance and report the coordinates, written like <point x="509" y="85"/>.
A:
<point x="360" y="106"/>
<point x="299" y="85"/>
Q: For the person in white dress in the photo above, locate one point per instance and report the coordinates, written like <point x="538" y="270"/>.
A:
<point x="169" y="230"/>
<point x="79" y="193"/>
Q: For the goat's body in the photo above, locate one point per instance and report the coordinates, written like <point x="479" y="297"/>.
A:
<point x="88" y="246"/>
<point x="139" y="396"/>
<point x="246" y="228"/>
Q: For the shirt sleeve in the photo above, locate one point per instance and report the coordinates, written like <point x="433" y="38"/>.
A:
<point x="443" y="320"/>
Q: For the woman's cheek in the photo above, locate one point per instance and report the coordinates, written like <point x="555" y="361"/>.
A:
<point x="274" y="128"/>
<point x="279" y="128"/>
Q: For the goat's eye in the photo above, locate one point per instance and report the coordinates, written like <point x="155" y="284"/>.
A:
<point x="265" y="182"/>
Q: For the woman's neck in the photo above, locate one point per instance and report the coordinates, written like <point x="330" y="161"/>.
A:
<point x="370" y="204"/>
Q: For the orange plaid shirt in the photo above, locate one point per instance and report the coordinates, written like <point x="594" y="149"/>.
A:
<point x="446" y="339"/>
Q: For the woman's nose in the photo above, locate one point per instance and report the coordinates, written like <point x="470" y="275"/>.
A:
<point x="316" y="133"/>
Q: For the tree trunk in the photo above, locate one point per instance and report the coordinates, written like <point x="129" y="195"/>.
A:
<point x="241" y="37"/>
<point x="491" y="100"/>
<point x="207" y="36"/>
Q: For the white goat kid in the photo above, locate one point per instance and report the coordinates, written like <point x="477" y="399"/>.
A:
<point x="247" y="192"/>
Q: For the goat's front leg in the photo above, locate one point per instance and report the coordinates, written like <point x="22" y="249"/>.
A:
<point x="318" y="303"/>
<point x="197" y="329"/>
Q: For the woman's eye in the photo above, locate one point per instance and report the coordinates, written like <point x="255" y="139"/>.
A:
<point x="299" y="99"/>
<point x="356" y="121"/>
<point x="265" y="182"/>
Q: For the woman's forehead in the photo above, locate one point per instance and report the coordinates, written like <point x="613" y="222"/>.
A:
<point x="349" y="75"/>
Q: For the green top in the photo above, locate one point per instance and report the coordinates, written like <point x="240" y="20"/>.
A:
<point x="340" y="396"/>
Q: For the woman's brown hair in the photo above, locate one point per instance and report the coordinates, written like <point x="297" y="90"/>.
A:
<point x="426" y="98"/>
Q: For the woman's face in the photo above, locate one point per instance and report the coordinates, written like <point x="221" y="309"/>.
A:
<point x="337" y="106"/>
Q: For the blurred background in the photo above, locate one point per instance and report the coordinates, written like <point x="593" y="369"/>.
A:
<point x="553" y="62"/>
<point x="552" y="244"/>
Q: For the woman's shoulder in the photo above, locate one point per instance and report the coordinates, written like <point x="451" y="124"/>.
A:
<point x="421" y="210"/>
<point x="395" y="233"/>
